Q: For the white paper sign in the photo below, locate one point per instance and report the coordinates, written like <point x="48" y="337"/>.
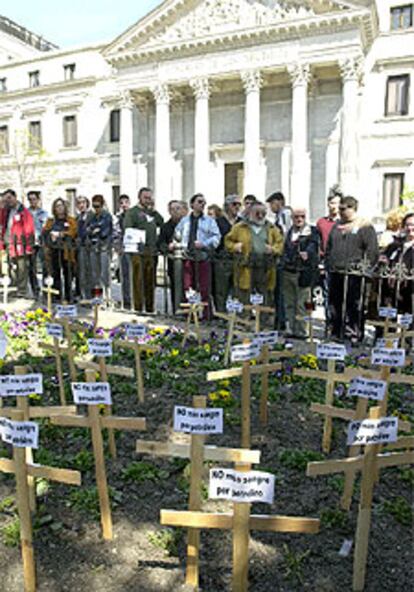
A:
<point x="91" y="393"/>
<point x="193" y="297"/>
<point x="96" y="301"/>
<point x="133" y="239"/>
<point x="133" y="331"/>
<point x="266" y="338"/>
<point x="330" y="351"/>
<point x="367" y="388"/>
<point x="245" y="352"/>
<point x="405" y="320"/>
<point x="387" y="313"/>
<point x="383" y="341"/>
<point x="22" y="434"/>
<point x="234" y="305"/>
<point x="256" y="299"/>
<point x="66" y="311"/>
<point x="198" y="421"/>
<point x="388" y="357"/>
<point x="54" y="330"/>
<point x="21" y="385"/>
<point x="373" y="431"/>
<point x="100" y="347"/>
<point x="235" y="486"/>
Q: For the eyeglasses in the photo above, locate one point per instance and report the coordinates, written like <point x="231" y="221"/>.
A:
<point x="96" y="206"/>
<point x="237" y="204"/>
<point x="201" y="202"/>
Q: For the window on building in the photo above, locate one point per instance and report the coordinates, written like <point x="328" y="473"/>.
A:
<point x="70" y="195"/>
<point x="35" y="135"/>
<point x="397" y="96"/>
<point x="34" y="79"/>
<point x="393" y="190"/>
<point x="402" y="17"/>
<point x="4" y="139"/>
<point x="3" y="84"/>
<point x="69" y="71"/>
<point x="70" y="131"/>
<point x="233" y="178"/>
<point x="115" y="125"/>
<point x="116" y="192"/>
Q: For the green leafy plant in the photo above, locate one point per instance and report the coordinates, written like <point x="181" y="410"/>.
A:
<point x="167" y="540"/>
<point x="142" y="471"/>
<point x="298" y="459"/>
<point x="294" y="563"/>
<point x="84" y="460"/>
<point x="400" y="509"/>
<point x="87" y="500"/>
<point x="407" y="475"/>
<point x="7" y="503"/>
<point x="332" y="518"/>
<point x="10" y="533"/>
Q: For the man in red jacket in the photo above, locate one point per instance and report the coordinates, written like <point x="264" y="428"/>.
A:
<point x="16" y="239"/>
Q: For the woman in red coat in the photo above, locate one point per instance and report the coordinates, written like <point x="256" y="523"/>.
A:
<point x="16" y="239"/>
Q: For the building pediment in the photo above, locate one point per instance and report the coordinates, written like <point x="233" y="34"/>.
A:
<point x="189" y="24"/>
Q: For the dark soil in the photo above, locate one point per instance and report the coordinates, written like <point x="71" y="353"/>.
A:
<point x="71" y="555"/>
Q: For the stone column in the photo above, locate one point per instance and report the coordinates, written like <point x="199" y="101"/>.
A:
<point x="348" y="163"/>
<point x="300" y="175"/>
<point x="252" y="82"/>
<point x="162" y="187"/>
<point x="201" y="90"/>
<point x="126" y="147"/>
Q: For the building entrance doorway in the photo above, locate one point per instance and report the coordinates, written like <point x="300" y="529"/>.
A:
<point x="234" y="178"/>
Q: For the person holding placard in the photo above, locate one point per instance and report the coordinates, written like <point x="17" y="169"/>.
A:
<point x="259" y="243"/>
<point x="59" y="235"/>
<point x="145" y="218"/>
<point x="199" y="236"/>
<point x="300" y="271"/>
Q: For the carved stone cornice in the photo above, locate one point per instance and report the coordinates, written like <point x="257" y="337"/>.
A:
<point x="201" y="88"/>
<point x="252" y="80"/>
<point x="300" y="74"/>
<point x="351" y="68"/>
<point x="126" y="100"/>
<point x="162" y="94"/>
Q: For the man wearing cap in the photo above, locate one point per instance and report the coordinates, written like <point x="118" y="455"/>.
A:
<point x="223" y="260"/>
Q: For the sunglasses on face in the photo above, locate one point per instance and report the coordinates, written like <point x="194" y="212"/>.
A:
<point x="96" y="206"/>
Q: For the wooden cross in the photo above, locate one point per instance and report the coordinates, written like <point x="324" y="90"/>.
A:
<point x="310" y="322"/>
<point x="240" y="521"/>
<point x="25" y="471"/>
<point x="197" y="452"/>
<point x="257" y="310"/>
<point x="96" y="423"/>
<point x="28" y="413"/>
<point x="49" y="291"/>
<point x="137" y="349"/>
<point x="232" y="319"/>
<point x="104" y="371"/>
<point x="245" y="371"/>
<point x="368" y="463"/>
<point x="6" y="288"/>
<point x="69" y="350"/>
<point x="192" y="310"/>
<point x="96" y="303"/>
<point x="58" y="350"/>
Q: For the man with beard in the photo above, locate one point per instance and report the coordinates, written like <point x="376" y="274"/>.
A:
<point x="258" y="242"/>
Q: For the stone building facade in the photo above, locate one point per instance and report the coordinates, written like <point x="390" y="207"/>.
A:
<point x="218" y="96"/>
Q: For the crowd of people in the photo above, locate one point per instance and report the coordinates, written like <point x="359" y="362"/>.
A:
<point x="245" y="248"/>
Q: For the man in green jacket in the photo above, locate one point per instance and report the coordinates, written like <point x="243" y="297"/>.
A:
<point x="144" y="217"/>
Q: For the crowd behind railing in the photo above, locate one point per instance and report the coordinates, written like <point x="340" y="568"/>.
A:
<point x="245" y="248"/>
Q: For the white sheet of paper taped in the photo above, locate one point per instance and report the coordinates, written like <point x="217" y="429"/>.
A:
<point x="54" y="330"/>
<point x="266" y="338"/>
<point x="133" y="238"/>
<point x="22" y="434"/>
<point x="256" y="299"/>
<point x="383" y="356"/>
<point x="387" y="313"/>
<point x="367" y="388"/>
<point x="91" y="393"/>
<point x="245" y="352"/>
<point x="68" y="311"/>
<point x="100" y="347"/>
<point x="133" y="331"/>
<point x="330" y="351"/>
<point x="21" y="385"/>
<point x="372" y="431"/>
<point x="235" y="486"/>
<point x="198" y="421"/>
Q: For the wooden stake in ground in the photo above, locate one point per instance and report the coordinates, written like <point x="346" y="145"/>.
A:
<point x="240" y="521"/>
<point x="6" y="288"/>
<point x="96" y="422"/>
<point x="258" y="310"/>
<point x="23" y="471"/>
<point x="29" y="413"/>
<point x="49" y="291"/>
<point x="233" y="319"/>
<point x="193" y="310"/>
<point x="369" y="463"/>
<point x="245" y="372"/>
<point x="69" y="350"/>
<point x="137" y="349"/>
